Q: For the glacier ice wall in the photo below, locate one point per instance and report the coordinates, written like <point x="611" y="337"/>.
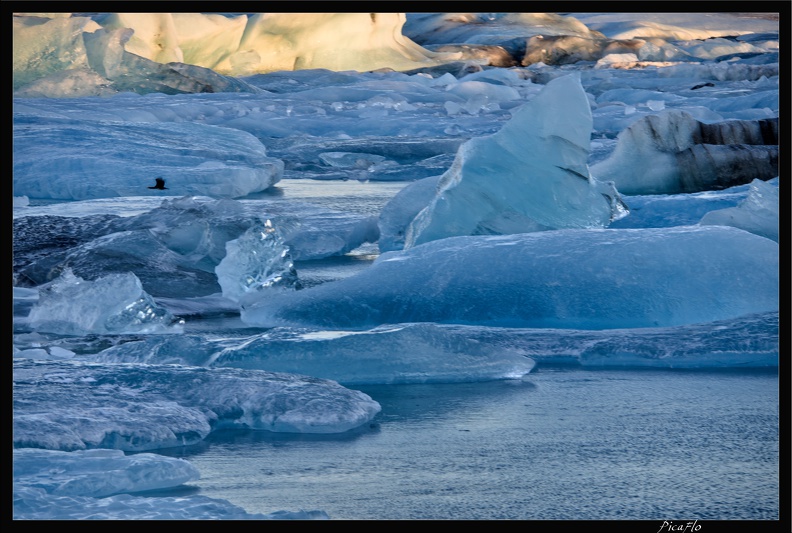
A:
<point x="65" y="56"/>
<point x="196" y="53"/>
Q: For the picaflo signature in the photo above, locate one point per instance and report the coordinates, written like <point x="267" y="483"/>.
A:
<point x="679" y="527"/>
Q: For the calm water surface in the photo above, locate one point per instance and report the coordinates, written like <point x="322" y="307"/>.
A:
<point x="563" y="443"/>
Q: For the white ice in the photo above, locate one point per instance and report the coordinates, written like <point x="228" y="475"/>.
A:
<point x="69" y="405"/>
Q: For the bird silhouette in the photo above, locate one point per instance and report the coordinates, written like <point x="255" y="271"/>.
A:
<point x="160" y="184"/>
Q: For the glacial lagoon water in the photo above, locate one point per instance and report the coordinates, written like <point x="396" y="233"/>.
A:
<point x="563" y="443"/>
<point x="560" y="444"/>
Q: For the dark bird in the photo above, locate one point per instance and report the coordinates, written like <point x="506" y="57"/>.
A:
<point x="160" y="184"/>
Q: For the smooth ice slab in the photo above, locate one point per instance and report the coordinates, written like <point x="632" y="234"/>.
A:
<point x="32" y="503"/>
<point x="532" y="175"/>
<point x="98" y="473"/>
<point x="583" y="279"/>
<point x="73" y="406"/>
<point x="403" y="353"/>
<point x="748" y="341"/>
<point x="72" y="159"/>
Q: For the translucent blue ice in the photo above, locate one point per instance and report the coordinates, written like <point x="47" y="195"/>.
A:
<point x="582" y="279"/>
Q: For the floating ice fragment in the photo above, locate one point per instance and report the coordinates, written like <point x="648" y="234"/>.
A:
<point x="256" y="263"/>
<point x="115" y="303"/>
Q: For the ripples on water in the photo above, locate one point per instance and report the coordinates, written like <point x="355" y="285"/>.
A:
<point x="561" y="444"/>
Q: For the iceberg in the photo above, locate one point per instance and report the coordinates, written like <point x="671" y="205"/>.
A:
<point x="757" y="213"/>
<point x="396" y="215"/>
<point x="112" y="304"/>
<point x="672" y="152"/>
<point x="74" y="159"/>
<point x="70" y="405"/>
<point x="575" y="279"/>
<point x="532" y="175"/>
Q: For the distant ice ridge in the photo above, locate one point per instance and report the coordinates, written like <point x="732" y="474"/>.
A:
<point x="174" y="52"/>
<point x="672" y="152"/>
<point x="96" y="485"/>
<point x="61" y="55"/>
<point x="74" y="159"/>
<point x="532" y="175"/>
<point x="74" y="406"/>
<point x="115" y="303"/>
<point x="576" y="279"/>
